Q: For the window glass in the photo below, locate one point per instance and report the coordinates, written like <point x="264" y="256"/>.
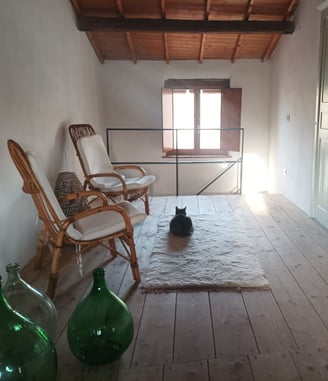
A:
<point x="183" y="118"/>
<point x="210" y="119"/>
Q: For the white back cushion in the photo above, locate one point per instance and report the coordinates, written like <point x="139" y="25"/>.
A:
<point x="43" y="181"/>
<point x="96" y="160"/>
<point x="94" y="154"/>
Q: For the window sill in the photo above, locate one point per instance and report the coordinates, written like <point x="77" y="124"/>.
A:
<point x="218" y="156"/>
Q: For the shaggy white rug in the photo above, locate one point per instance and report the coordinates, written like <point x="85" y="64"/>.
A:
<point x="218" y="255"/>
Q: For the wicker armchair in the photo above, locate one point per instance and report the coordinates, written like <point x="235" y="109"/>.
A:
<point x="99" y="172"/>
<point x="100" y="225"/>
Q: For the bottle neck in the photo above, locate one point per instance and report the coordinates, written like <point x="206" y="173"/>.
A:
<point x="99" y="281"/>
<point x="13" y="273"/>
<point x="3" y="301"/>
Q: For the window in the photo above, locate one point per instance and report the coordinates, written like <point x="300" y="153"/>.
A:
<point x="200" y="117"/>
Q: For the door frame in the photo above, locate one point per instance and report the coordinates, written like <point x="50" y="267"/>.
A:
<point x="323" y="9"/>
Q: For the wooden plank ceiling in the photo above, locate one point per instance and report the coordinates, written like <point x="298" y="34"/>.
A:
<point x="168" y="30"/>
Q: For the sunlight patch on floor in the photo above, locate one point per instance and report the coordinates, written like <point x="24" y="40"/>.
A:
<point x="256" y="203"/>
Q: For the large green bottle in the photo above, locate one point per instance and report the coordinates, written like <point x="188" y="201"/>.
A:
<point x="26" y="351"/>
<point x="101" y="327"/>
<point x="29" y="301"/>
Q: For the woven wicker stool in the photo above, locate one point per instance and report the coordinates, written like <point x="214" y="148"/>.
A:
<point x="66" y="183"/>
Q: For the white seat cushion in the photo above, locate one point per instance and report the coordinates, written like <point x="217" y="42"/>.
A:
<point x="132" y="183"/>
<point x="107" y="222"/>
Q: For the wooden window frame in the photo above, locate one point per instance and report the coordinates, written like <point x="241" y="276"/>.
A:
<point x="230" y="116"/>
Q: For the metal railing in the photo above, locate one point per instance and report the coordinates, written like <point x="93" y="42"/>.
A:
<point x="178" y="160"/>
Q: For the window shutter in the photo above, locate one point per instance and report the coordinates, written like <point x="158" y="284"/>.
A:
<point x="230" y="118"/>
<point x="167" y="118"/>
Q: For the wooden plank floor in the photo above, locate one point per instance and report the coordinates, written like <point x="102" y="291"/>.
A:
<point x="279" y="334"/>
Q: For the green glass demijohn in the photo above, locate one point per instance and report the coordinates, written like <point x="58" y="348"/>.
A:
<point x="29" y="301"/>
<point x="101" y="327"/>
<point x="26" y="351"/>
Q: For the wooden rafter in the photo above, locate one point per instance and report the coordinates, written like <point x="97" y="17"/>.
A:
<point x="166" y="43"/>
<point x="128" y="36"/>
<point x="249" y="9"/>
<point x="207" y="9"/>
<point x="120" y="7"/>
<point x="237" y="47"/>
<point x="273" y="43"/>
<point x="90" y="23"/>
<point x="240" y="36"/>
<point x="95" y="46"/>
<point x="202" y="44"/>
<point x="202" y="47"/>
<point x="276" y="38"/>
<point x="76" y="5"/>
<point x="131" y="47"/>
<point x="291" y="8"/>
<point x="163" y="9"/>
<point x="166" y="47"/>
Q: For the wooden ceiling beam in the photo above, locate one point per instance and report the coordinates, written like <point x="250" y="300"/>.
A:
<point x="116" y="24"/>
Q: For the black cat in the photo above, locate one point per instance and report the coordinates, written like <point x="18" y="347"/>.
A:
<point x="181" y="224"/>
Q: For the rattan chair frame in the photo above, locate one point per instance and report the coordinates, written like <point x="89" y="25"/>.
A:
<point x="54" y="229"/>
<point x="78" y="131"/>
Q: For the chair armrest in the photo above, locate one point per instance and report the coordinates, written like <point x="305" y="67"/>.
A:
<point x="110" y="174"/>
<point x="131" y="166"/>
<point x="96" y="196"/>
<point x="90" y="212"/>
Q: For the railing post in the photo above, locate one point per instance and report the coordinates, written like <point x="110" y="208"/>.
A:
<point x="176" y="164"/>
<point x="241" y="161"/>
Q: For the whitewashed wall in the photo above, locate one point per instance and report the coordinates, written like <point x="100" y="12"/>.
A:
<point x="49" y="78"/>
<point x="295" y="74"/>
<point x="133" y="100"/>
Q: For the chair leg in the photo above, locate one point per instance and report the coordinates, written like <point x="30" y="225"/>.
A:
<point x="146" y="201"/>
<point x="112" y="248"/>
<point x="53" y="278"/>
<point x="52" y="285"/>
<point x="40" y="248"/>
<point x="133" y="260"/>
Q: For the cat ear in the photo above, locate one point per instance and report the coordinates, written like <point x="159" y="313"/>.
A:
<point x="185" y="208"/>
<point x="176" y="209"/>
